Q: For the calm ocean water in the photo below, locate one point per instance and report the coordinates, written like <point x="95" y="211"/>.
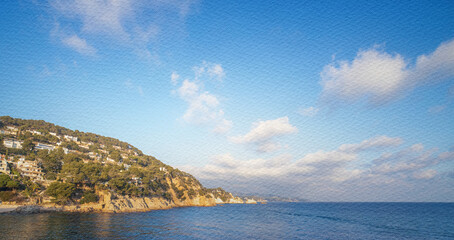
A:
<point x="269" y="221"/>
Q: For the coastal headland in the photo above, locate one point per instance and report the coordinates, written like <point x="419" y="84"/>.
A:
<point x="44" y="167"/>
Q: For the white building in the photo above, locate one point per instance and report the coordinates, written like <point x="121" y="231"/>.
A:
<point x="12" y="143"/>
<point x="30" y="169"/>
<point x="34" y="132"/>
<point x="12" y="128"/>
<point x="126" y="166"/>
<point x="94" y="155"/>
<point x="84" y="146"/>
<point x="71" y="138"/>
<point x="4" y="168"/>
<point x="42" y="146"/>
<point x="65" y="150"/>
<point x="5" y="132"/>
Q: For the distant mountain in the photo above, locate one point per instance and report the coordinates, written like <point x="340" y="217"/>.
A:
<point x="50" y="165"/>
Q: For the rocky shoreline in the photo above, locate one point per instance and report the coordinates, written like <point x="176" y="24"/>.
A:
<point x="120" y="204"/>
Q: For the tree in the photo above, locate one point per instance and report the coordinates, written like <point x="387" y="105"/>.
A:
<point x="94" y="148"/>
<point x="115" y="155"/>
<point x="4" y="179"/>
<point x="7" y="183"/>
<point x="72" y="172"/>
<point x="58" y="154"/>
<point x="12" y="184"/>
<point x="51" y="166"/>
<point x="62" y="192"/>
<point x="92" y="172"/>
<point x="88" y="197"/>
<point x="28" y="145"/>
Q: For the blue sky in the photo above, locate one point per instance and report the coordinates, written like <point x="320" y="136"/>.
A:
<point x="257" y="97"/>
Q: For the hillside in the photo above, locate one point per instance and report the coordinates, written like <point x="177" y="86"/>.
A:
<point x="49" y="165"/>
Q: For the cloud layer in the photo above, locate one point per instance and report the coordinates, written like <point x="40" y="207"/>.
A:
<point x="342" y="174"/>
<point x="382" y="77"/>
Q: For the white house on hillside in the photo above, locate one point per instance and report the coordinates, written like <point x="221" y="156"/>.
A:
<point x="42" y="146"/>
<point x="30" y="169"/>
<point x="5" y="132"/>
<point x="12" y="143"/>
<point x="71" y="138"/>
<point x="4" y="168"/>
<point x="12" y="128"/>
<point x="34" y="132"/>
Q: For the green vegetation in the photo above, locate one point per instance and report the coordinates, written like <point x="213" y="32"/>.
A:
<point x="89" y="197"/>
<point x="7" y="196"/>
<point x="76" y="170"/>
<point x="62" y="192"/>
<point x="6" y="183"/>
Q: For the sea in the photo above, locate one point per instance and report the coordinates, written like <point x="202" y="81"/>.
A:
<point x="244" y="221"/>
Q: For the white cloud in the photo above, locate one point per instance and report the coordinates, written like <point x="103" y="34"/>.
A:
<point x="436" y="66"/>
<point x="203" y="106"/>
<point x="349" y="152"/>
<point x="345" y="173"/>
<point x="309" y="112"/>
<point x="133" y="23"/>
<point x="327" y="157"/>
<point x="327" y="165"/>
<point x="188" y="90"/>
<point x="417" y="147"/>
<point x="226" y="166"/>
<point x="217" y="71"/>
<point x="262" y="133"/>
<point x="376" y="142"/>
<point x="381" y="77"/>
<point x="174" y="78"/>
<point x="342" y="174"/>
<point x="223" y="126"/>
<point x="98" y="16"/>
<point x="265" y="130"/>
<point x="409" y="161"/>
<point x="79" y="44"/>
<point x="268" y="147"/>
<point x="212" y="70"/>
<point x="428" y="174"/>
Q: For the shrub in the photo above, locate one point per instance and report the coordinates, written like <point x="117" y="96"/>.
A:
<point x="89" y="197"/>
<point x="7" y="196"/>
<point x="191" y="193"/>
<point x="7" y="183"/>
<point x="62" y="192"/>
<point x="167" y="196"/>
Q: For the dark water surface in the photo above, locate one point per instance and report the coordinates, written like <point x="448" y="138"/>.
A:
<point x="269" y="221"/>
